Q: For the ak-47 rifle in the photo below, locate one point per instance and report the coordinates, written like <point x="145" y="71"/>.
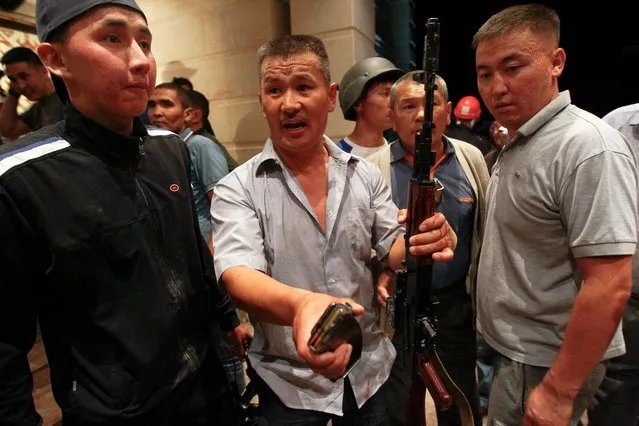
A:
<point x="414" y="318"/>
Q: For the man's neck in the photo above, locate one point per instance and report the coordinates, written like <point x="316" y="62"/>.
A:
<point x="307" y="162"/>
<point x="366" y="136"/>
<point x="49" y="89"/>
<point x="47" y="92"/>
<point x="121" y="125"/>
<point x="437" y="146"/>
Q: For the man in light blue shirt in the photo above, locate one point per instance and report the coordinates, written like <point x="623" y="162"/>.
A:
<point x="293" y="230"/>
<point x="168" y="108"/>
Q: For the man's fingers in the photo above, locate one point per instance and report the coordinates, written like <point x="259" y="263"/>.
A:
<point x="425" y="248"/>
<point x="401" y="216"/>
<point x="331" y="364"/>
<point x="318" y="362"/>
<point x="382" y="295"/>
<point x="356" y="307"/>
<point x="445" y="255"/>
<point x="435" y="221"/>
<point x="431" y="236"/>
<point x="338" y="367"/>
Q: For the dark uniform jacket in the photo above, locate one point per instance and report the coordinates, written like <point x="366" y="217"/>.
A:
<point x="99" y="240"/>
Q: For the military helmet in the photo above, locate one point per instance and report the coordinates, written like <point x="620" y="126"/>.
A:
<point x="358" y="78"/>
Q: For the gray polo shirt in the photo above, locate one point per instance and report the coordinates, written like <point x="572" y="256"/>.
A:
<point x="263" y="220"/>
<point x="48" y="110"/>
<point x="626" y="120"/>
<point x="565" y="187"/>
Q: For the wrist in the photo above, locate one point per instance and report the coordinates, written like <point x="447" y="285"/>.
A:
<point x="299" y="298"/>
<point x="560" y="388"/>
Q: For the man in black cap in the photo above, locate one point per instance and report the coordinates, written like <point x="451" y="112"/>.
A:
<point x="100" y="242"/>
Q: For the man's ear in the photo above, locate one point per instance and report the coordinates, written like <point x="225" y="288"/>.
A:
<point x="261" y="105"/>
<point x="393" y="117"/>
<point x="51" y="56"/>
<point x="189" y="116"/>
<point x="195" y="116"/>
<point x="332" y="96"/>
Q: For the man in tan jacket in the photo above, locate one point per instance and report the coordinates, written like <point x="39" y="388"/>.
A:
<point x="461" y="170"/>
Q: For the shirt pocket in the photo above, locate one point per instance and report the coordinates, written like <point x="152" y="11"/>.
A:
<point x="360" y="226"/>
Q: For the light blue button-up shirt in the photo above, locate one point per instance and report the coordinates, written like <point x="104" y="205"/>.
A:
<point x="263" y="220"/>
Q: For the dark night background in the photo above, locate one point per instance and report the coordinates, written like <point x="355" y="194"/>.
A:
<point x="601" y="41"/>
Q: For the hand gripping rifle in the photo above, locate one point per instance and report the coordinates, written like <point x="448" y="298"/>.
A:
<point x="414" y="317"/>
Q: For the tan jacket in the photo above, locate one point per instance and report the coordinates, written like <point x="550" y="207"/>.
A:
<point x="474" y="165"/>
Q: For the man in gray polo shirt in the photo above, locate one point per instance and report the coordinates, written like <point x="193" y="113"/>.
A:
<point x="556" y="263"/>
<point x="293" y="230"/>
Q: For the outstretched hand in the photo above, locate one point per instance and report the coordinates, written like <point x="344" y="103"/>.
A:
<point x="307" y="313"/>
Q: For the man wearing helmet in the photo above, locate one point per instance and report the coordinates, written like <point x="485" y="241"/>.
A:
<point x="467" y="113"/>
<point x="364" y="96"/>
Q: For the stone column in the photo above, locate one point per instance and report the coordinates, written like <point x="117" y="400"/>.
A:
<point x="214" y="44"/>
<point x="347" y="27"/>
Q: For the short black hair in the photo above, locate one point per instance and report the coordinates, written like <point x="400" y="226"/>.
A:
<point x="182" y="94"/>
<point x="59" y="35"/>
<point x="199" y="101"/>
<point x="292" y="45"/>
<point x="538" y="18"/>
<point x="181" y="81"/>
<point x="21" y="54"/>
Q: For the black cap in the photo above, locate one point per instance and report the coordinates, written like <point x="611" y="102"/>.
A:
<point x="51" y="14"/>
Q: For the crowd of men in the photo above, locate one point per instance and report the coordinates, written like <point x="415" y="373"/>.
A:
<point x="132" y="237"/>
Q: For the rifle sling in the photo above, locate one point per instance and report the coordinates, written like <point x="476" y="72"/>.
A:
<point x="465" y="412"/>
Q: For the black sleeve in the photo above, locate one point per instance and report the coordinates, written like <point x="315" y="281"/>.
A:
<point x="17" y="318"/>
<point x="223" y="309"/>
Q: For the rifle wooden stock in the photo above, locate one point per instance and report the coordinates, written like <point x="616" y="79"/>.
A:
<point x="442" y="399"/>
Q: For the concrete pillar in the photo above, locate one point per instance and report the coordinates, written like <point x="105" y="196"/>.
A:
<point x="214" y="44"/>
<point x="347" y="27"/>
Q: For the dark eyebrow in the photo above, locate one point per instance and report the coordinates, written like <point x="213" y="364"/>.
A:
<point x="271" y="79"/>
<point x="410" y="99"/>
<point x="510" y="57"/>
<point x="304" y="76"/>
<point x="121" y="23"/>
<point x="505" y="59"/>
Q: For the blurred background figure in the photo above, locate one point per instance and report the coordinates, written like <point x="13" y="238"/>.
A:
<point x="465" y="126"/>
<point x="183" y="82"/>
<point x="29" y="78"/>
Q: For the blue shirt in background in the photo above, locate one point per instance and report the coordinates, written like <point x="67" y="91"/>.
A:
<point x="458" y="206"/>
<point x="208" y="166"/>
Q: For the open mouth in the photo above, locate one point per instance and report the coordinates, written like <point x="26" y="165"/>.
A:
<point x="298" y="125"/>
<point x="502" y="106"/>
